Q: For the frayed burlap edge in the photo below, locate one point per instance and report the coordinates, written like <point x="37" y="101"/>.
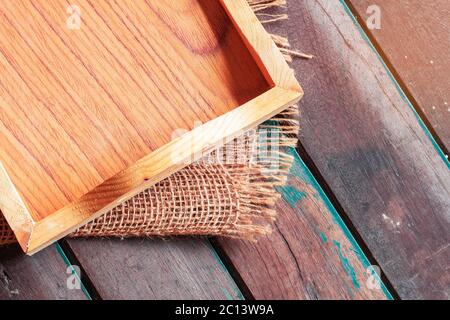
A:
<point x="230" y="192"/>
<point x="236" y="200"/>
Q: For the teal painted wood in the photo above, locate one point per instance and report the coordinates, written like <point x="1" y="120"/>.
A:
<point x="302" y="173"/>
<point x="75" y="272"/>
<point x="310" y="255"/>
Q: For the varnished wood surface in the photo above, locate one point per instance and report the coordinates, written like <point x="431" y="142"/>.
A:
<point x="414" y="38"/>
<point x="310" y="254"/>
<point x="154" y="269"/>
<point x="120" y="69"/>
<point x="95" y="100"/>
<point x="369" y="147"/>
<point x="42" y="277"/>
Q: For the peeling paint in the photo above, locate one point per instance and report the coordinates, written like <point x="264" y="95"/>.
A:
<point x="323" y="237"/>
<point x="300" y="171"/>
<point x="347" y="266"/>
<point x="291" y="195"/>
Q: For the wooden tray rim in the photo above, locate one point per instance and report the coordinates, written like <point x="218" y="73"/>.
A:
<point x="36" y="235"/>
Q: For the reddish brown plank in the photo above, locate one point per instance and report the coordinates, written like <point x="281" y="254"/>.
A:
<point x="414" y="37"/>
<point x="368" y="145"/>
<point x="310" y="254"/>
<point x="181" y="268"/>
<point x="42" y="276"/>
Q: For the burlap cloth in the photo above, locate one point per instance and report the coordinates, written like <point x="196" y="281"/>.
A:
<point x="230" y="192"/>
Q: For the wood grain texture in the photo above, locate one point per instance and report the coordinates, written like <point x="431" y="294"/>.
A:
<point x="154" y="269"/>
<point x="155" y="167"/>
<point x="368" y="145"/>
<point x="40" y="277"/>
<point x="310" y="255"/>
<point x="414" y="37"/>
<point x="92" y="124"/>
<point x="118" y="69"/>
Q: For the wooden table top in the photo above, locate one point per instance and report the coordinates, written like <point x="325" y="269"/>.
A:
<point x="370" y="184"/>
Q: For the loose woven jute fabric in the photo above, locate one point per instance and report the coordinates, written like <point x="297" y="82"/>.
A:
<point x="230" y="192"/>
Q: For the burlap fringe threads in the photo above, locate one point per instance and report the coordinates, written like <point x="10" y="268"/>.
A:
<point x="213" y="196"/>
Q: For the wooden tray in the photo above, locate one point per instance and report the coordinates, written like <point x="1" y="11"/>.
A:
<point x="89" y="106"/>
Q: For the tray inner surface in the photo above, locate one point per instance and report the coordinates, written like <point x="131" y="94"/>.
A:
<point x="78" y="106"/>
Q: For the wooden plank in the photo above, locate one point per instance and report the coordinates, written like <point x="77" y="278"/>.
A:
<point x="370" y="148"/>
<point x="310" y="254"/>
<point x="414" y="38"/>
<point x="125" y="63"/>
<point x="154" y="269"/>
<point x="42" y="276"/>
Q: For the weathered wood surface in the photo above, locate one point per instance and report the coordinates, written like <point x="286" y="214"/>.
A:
<point x="368" y="145"/>
<point x="182" y="268"/>
<point x="309" y="255"/>
<point x="414" y="37"/>
<point x="43" y="276"/>
<point x="377" y="160"/>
